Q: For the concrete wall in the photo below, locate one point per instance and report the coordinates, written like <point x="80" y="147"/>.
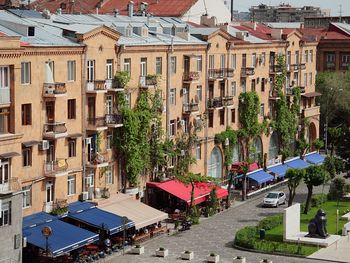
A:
<point x="291" y="221"/>
<point x="8" y="233"/>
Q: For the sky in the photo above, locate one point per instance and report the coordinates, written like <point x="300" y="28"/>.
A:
<point x="334" y="5"/>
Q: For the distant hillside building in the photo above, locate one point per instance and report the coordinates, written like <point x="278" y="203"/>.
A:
<point x="283" y="13"/>
<point x="325" y="21"/>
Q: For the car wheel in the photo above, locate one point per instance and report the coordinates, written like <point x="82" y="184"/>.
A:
<point x="276" y="205"/>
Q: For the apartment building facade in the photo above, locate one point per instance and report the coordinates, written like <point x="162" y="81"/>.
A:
<point x="59" y="110"/>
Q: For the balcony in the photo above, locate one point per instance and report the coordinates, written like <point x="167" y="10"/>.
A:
<point x="58" y="166"/>
<point x="310" y="112"/>
<point x="148" y="81"/>
<point x="5" y="95"/>
<point x="9" y="186"/>
<point x="53" y="90"/>
<point x="191" y="76"/>
<point x="55" y="130"/>
<point x="114" y="120"/>
<point x="96" y="124"/>
<point x="289" y="90"/>
<point x="220" y="73"/>
<point x="97" y="86"/>
<point x="227" y="100"/>
<point x="296" y="67"/>
<point x="275" y="69"/>
<point x="98" y="159"/>
<point x="189" y="108"/>
<point x="246" y="72"/>
<point x="215" y="103"/>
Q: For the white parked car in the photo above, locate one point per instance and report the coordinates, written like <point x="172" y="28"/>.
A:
<point x="274" y="199"/>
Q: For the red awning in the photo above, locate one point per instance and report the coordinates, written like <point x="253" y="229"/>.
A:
<point x="236" y="167"/>
<point x="183" y="192"/>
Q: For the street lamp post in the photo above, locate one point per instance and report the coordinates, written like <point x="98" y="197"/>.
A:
<point x="46" y="231"/>
<point x="125" y="221"/>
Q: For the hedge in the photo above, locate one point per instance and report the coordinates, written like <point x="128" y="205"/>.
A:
<point x="271" y="222"/>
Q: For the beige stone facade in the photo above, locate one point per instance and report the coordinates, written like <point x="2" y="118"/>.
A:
<point x="55" y="133"/>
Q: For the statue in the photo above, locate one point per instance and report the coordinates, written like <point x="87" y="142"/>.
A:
<point x="317" y="225"/>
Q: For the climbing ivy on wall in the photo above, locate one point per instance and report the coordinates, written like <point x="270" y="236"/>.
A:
<point x="220" y="138"/>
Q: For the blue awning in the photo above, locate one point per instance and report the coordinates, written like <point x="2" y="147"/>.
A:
<point x="260" y="176"/>
<point x="79" y="206"/>
<point x="65" y="237"/>
<point x="101" y="219"/>
<point x="297" y="163"/>
<point x="314" y="158"/>
<point x="279" y="170"/>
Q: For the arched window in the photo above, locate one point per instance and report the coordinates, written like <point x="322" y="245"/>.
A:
<point x="237" y="153"/>
<point x="256" y="153"/>
<point x="215" y="164"/>
<point x="273" y="146"/>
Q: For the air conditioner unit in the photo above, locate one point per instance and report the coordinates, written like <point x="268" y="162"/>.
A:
<point x="50" y="90"/>
<point x="288" y="67"/>
<point x="84" y="196"/>
<point x="271" y="79"/>
<point x="88" y="140"/>
<point x="24" y="242"/>
<point x="44" y="145"/>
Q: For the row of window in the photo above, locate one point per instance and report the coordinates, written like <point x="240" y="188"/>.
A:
<point x="71" y="187"/>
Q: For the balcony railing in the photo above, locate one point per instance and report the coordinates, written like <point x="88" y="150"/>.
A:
<point x="114" y="119"/>
<point x="99" y="158"/>
<point x="52" y="89"/>
<point x="215" y="103"/>
<point x="289" y="90"/>
<point x="148" y="81"/>
<point x="312" y="111"/>
<point x="9" y="185"/>
<point x="97" y="122"/>
<point x="57" y="166"/>
<point x="296" y="67"/>
<point x="221" y="73"/>
<point x="5" y="95"/>
<point x="191" y="76"/>
<point x="97" y="85"/>
<point x="227" y="100"/>
<point x="330" y="65"/>
<point x="275" y="69"/>
<point x="247" y="71"/>
<point x="190" y="107"/>
<point x="54" y="129"/>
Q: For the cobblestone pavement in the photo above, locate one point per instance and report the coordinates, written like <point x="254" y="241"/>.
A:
<point x="216" y="234"/>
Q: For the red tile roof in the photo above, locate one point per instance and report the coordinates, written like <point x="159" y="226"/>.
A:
<point x="262" y="31"/>
<point x="156" y="7"/>
<point x="324" y="33"/>
<point x="2" y="34"/>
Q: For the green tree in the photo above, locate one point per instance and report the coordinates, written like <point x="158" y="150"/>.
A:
<point x="315" y="175"/>
<point x="294" y="176"/>
<point x="318" y="144"/>
<point x="343" y="145"/>
<point x="301" y="147"/>
<point x="335" y="137"/>
<point x="338" y="189"/>
<point x="333" y="165"/>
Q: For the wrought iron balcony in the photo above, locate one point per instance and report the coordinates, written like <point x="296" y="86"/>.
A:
<point x="247" y="71"/>
<point x="189" y="108"/>
<point x="227" y="100"/>
<point x="296" y="67"/>
<point x="114" y="120"/>
<point x="148" y="81"/>
<point x="216" y="102"/>
<point x="96" y="86"/>
<point x="54" y="130"/>
<point x="60" y="165"/>
<point x="9" y="185"/>
<point x="221" y="73"/>
<point x="191" y="76"/>
<point x="98" y="159"/>
<point x="274" y="69"/>
<point x="97" y="123"/>
<point x="54" y="89"/>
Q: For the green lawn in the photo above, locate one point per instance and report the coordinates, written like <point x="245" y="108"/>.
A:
<point x="273" y="241"/>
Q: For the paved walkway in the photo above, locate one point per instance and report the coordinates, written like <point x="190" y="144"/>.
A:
<point x="339" y="251"/>
<point x="216" y="234"/>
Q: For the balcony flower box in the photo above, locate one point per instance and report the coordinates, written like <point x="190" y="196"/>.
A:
<point x="162" y="252"/>
<point x="239" y="259"/>
<point x="138" y="250"/>
<point x="212" y="257"/>
<point x="187" y="255"/>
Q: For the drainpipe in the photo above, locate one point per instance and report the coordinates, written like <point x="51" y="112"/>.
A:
<point x="83" y="90"/>
<point x="206" y="91"/>
<point x="168" y="83"/>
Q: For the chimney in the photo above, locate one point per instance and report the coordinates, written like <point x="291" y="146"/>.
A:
<point x="131" y="8"/>
<point x="206" y="21"/>
<point x="116" y="12"/>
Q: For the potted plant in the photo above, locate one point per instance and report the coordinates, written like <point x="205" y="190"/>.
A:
<point x="188" y="255"/>
<point x="213" y="257"/>
<point x="265" y="260"/>
<point x="138" y="250"/>
<point x="162" y="252"/>
<point x="239" y="259"/>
